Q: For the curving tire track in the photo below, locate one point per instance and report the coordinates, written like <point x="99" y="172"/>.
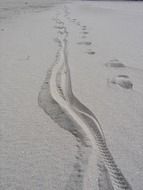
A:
<point x="81" y="121"/>
<point x="83" y="145"/>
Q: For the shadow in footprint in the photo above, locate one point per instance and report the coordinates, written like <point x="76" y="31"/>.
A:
<point x="84" y="28"/>
<point x="73" y="20"/>
<point x="115" y="63"/>
<point x="123" y="81"/>
<point x="90" y="52"/>
<point x="123" y="76"/>
<point x="84" y="43"/>
<point x="85" y="32"/>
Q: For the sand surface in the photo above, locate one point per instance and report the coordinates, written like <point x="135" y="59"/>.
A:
<point x="104" y="51"/>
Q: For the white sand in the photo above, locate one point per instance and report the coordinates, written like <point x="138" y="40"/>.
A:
<point x="115" y="35"/>
<point x="36" y="153"/>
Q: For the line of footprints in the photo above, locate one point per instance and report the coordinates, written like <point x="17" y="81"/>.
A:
<point x="121" y="79"/>
<point x="84" y="33"/>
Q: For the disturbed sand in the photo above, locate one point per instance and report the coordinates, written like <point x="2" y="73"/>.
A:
<point x="96" y="47"/>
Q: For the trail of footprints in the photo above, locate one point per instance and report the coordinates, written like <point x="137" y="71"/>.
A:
<point x="84" y="34"/>
<point x="123" y="81"/>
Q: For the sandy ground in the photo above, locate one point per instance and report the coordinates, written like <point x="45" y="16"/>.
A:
<point x="105" y="59"/>
<point x="34" y="154"/>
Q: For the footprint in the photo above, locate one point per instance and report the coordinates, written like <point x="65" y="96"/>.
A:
<point x="90" y="52"/>
<point x="85" y="32"/>
<point x="74" y="19"/>
<point x="88" y="43"/>
<point x="59" y="27"/>
<point x="123" y="81"/>
<point x="115" y="63"/>
<point x="84" y="43"/>
<point x="84" y="28"/>
<point x="123" y="76"/>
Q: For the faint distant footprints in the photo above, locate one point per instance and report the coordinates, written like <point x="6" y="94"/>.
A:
<point x="84" y="34"/>
<point x="84" y="27"/>
<point x="87" y="43"/>
<point x="76" y="178"/>
<point x="74" y="20"/>
<point x="84" y="31"/>
<point x="104" y="181"/>
<point x="114" y="63"/>
<point x="60" y="26"/>
<point x="120" y="80"/>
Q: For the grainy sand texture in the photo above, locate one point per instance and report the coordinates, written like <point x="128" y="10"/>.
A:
<point x="71" y="95"/>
